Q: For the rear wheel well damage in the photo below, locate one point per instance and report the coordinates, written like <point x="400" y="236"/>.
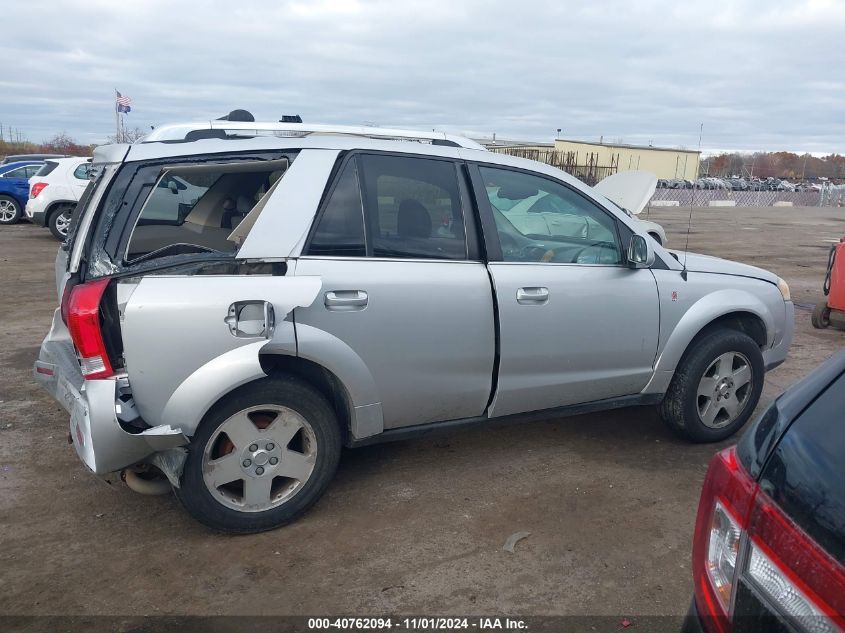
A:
<point x="323" y="380"/>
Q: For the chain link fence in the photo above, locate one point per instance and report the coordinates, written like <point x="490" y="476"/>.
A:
<point x="829" y="197"/>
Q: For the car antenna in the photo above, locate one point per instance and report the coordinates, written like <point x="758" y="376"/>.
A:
<point x="692" y="200"/>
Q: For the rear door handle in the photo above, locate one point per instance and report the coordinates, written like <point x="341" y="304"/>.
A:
<point x="532" y="295"/>
<point x="346" y="300"/>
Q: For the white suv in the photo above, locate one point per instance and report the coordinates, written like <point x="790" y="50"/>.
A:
<point x="54" y="192"/>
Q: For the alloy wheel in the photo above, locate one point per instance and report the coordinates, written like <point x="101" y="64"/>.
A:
<point x="724" y="389"/>
<point x="259" y="458"/>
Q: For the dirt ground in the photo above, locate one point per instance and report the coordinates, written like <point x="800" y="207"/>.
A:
<point x="415" y="527"/>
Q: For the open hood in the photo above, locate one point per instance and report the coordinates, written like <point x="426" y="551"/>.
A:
<point x="630" y="190"/>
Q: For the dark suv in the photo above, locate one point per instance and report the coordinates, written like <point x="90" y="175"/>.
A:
<point x="769" y="546"/>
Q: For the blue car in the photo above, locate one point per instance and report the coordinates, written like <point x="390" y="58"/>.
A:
<point x="14" y="188"/>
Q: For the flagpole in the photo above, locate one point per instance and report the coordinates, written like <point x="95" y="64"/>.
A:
<point x="117" y="137"/>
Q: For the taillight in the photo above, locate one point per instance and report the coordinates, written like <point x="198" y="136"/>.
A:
<point x="726" y="499"/>
<point x="83" y="322"/>
<point x="798" y="577"/>
<point x="36" y="188"/>
<point x="739" y="531"/>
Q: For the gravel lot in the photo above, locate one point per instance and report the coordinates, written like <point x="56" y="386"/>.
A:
<point x="414" y="527"/>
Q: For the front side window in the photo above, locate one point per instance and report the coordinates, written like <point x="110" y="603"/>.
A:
<point x="196" y="208"/>
<point x="540" y="220"/>
<point x="413" y="208"/>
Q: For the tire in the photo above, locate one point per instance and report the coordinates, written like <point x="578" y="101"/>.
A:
<point x="248" y="455"/>
<point x="821" y="316"/>
<point x="657" y="238"/>
<point x="59" y="221"/>
<point x="704" y="402"/>
<point x="10" y="210"/>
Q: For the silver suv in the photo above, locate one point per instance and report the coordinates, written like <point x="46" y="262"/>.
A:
<point x="241" y="300"/>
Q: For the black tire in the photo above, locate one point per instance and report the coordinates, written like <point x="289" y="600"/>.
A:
<point x="10" y="205"/>
<point x="679" y="408"/>
<point x="278" y="390"/>
<point x="54" y="220"/>
<point x="821" y="316"/>
<point x="657" y="238"/>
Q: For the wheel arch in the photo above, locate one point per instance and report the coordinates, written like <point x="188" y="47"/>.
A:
<point x="55" y="205"/>
<point x="322" y="379"/>
<point x="732" y="309"/>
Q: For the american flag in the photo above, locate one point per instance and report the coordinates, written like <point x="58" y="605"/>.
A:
<point x="124" y="103"/>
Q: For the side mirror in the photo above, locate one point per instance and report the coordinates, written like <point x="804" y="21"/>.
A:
<point x="640" y="252"/>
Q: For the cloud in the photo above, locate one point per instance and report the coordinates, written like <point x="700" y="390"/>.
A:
<point x="760" y="74"/>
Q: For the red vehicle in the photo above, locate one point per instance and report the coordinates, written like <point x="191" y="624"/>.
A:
<point x="832" y="311"/>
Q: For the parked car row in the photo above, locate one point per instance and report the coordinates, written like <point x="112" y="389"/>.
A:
<point x="42" y="189"/>
<point x="737" y="184"/>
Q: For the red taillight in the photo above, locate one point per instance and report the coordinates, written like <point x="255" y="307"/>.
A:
<point x="726" y="499"/>
<point x="83" y="322"/>
<point x="797" y="577"/>
<point x="792" y="571"/>
<point x="36" y="188"/>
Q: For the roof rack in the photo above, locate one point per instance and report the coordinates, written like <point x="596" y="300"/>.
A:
<point x="239" y="129"/>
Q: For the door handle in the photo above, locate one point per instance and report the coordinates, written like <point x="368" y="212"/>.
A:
<point x="346" y="300"/>
<point x="532" y="295"/>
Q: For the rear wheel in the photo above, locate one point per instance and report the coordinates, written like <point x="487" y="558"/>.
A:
<point x="59" y="221"/>
<point x="715" y="388"/>
<point x="10" y="210"/>
<point x="261" y="457"/>
<point x="821" y="316"/>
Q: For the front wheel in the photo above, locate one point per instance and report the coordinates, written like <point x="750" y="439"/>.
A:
<point x="10" y="210"/>
<point x="261" y="457"/>
<point x="59" y="221"/>
<point x="715" y="388"/>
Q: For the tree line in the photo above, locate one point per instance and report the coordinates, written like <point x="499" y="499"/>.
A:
<point x="786" y="165"/>
<point x="61" y="143"/>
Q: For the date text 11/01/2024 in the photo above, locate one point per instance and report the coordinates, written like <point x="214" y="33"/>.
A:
<point x="418" y="624"/>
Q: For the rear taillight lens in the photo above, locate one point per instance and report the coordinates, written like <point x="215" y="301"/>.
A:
<point x="36" y="188"/>
<point x="740" y="531"/>
<point x="797" y="577"/>
<point x="726" y="499"/>
<point x="722" y="553"/>
<point x="83" y="322"/>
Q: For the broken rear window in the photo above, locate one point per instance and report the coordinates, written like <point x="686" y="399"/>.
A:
<point x="196" y="208"/>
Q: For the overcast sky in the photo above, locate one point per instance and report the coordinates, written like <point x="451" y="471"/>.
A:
<point x="763" y="74"/>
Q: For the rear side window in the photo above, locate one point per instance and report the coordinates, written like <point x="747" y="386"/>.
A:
<point x="20" y="172"/>
<point x="47" y="168"/>
<point x="413" y="208"/>
<point x="393" y="207"/>
<point x="340" y="231"/>
<point x="196" y="208"/>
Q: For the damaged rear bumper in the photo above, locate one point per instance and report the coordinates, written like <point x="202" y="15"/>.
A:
<point x="101" y="442"/>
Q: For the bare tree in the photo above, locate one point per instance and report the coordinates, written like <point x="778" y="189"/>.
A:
<point x="127" y="136"/>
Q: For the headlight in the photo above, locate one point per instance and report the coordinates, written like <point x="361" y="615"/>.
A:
<point x="784" y="290"/>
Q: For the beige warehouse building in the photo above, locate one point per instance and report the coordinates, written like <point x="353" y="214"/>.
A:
<point x="664" y="161"/>
<point x="605" y="158"/>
